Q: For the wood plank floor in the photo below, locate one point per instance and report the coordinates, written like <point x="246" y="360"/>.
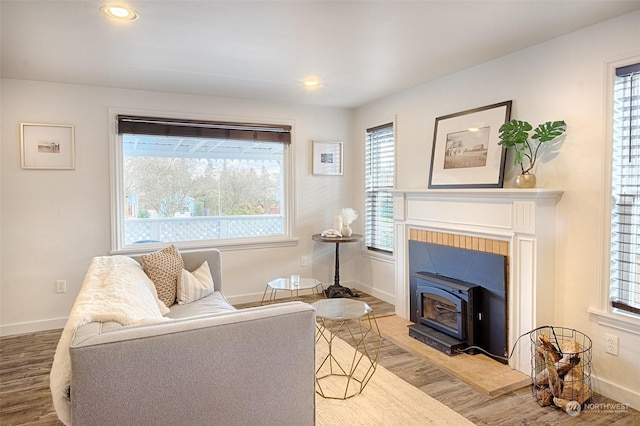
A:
<point x="25" y="362"/>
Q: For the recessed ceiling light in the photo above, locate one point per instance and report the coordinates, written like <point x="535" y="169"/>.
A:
<point x="119" y="12"/>
<point x="311" y="83"/>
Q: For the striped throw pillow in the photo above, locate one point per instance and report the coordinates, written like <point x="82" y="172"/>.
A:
<point x="194" y="285"/>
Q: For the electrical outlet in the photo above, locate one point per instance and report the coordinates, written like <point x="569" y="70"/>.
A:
<point x="612" y="344"/>
<point x="61" y="286"/>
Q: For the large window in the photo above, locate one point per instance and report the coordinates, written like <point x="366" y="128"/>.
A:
<point x="625" y="192"/>
<point x="379" y="179"/>
<point x="186" y="181"/>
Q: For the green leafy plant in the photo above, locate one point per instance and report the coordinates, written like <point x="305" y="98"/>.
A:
<point x="515" y="134"/>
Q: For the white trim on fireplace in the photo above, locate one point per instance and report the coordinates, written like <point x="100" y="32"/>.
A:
<point x="526" y="219"/>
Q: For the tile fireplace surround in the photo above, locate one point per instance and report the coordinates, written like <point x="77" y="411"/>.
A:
<point x="520" y="223"/>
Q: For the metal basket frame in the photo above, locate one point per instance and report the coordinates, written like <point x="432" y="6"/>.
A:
<point x="558" y="336"/>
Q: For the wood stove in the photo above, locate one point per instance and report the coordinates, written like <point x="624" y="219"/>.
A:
<point x="448" y="305"/>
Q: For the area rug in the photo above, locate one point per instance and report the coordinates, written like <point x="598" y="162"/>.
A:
<point x="386" y="400"/>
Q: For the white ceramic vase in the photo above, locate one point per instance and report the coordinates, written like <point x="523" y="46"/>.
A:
<point x="346" y="231"/>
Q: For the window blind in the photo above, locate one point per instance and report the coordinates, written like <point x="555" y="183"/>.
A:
<point x="379" y="179"/>
<point x="203" y="129"/>
<point x="625" y="214"/>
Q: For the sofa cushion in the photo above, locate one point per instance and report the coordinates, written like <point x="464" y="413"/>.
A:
<point x="194" y="285"/>
<point x="212" y="304"/>
<point x="164" y="267"/>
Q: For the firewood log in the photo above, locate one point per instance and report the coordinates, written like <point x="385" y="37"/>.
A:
<point x="575" y="391"/>
<point x="565" y="364"/>
<point x="544" y="397"/>
<point x="554" y="380"/>
<point x="545" y="344"/>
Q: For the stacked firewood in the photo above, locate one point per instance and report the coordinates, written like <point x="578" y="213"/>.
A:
<point x="562" y="381"/>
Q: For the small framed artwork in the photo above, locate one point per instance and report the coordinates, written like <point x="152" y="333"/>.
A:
<point x="465" y="151"/>
<point x="327" y="158"/>
<point x="47" y="146"/>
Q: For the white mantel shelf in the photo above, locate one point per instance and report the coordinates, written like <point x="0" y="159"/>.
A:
<point x="525" y="218"/>
<point x="511" y="193"/>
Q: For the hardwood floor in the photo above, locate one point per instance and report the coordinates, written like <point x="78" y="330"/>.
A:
<point x="25" y="362"/>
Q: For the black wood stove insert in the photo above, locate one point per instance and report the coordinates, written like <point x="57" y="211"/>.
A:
<point x="448" y="305"/>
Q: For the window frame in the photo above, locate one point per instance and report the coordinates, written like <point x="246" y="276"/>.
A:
<point x="603" y="312"/>
<point x="116" y="182"/>
<point x="373" y="251"/>
<point x="627" y="214"/>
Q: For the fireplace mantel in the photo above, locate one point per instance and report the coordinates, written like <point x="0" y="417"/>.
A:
<point x="524" y="218"/>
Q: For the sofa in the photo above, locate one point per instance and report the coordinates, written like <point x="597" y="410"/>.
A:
<point x="125" y="359"/>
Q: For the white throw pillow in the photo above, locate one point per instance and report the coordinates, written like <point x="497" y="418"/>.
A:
<point x="194" y="285"/>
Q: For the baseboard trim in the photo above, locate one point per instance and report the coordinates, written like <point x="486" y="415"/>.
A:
<point x="387" y="297"/>
<point x="245" y="298"/>
<point x="32" y="327"/>
<point x="616" y="392"/>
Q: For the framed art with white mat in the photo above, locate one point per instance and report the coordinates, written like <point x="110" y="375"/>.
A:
<point x="465" y="150"/>
<point x="47" y="146"/>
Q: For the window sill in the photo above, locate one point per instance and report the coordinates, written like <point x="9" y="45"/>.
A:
<point x="378" y="255"/>
<point x="222" y="245"/>
<point x="622" y="322"/>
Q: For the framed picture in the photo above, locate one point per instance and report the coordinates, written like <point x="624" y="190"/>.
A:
<point x="327" y="158"/>
<point x="465" y="151"/>
<point x="47" y="146"/>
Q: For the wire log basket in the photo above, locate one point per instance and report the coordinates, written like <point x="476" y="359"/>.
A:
<point x="560" y="367"/>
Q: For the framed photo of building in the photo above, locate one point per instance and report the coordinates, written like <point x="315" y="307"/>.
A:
<point x="327" y="158"/>
<point x="47" y="146"/>
<point x="465" y="150"/>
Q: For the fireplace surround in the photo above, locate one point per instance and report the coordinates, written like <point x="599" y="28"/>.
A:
<point x="517" y="223"/>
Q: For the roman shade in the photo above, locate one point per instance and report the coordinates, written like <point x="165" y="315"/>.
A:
<point x="139" y="125"/>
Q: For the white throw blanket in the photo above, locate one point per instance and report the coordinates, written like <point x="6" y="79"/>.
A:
<point x="116" y="289"/>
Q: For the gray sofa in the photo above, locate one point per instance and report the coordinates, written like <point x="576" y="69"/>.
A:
<point x="208" y="364"/>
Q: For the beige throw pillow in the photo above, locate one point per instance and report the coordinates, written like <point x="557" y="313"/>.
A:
<point x="194" y="285"/>
<point x="163" y="268"/>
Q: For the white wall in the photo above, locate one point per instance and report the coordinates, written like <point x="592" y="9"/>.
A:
<point x="563" y="79"/>
<point x="55" y="221"/>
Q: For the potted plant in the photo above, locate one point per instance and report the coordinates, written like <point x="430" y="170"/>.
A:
<point x="515" y="134"/>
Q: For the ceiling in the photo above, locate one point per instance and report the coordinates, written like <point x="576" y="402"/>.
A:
<point x="360" y="50"/>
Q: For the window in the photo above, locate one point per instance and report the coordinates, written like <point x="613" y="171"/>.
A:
<point x="379" y="179"/>
<point x="184" y="181"/>
<point x="625" y="192"/>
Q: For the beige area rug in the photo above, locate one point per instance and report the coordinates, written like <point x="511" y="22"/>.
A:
<point x="386" y="400"/>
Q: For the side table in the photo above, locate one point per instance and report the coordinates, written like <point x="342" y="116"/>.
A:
<point x="337" y="290"/>
<point x="341" y="375"/>
<point x="291" y="284"/>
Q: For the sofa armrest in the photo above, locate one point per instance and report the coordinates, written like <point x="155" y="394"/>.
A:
<point x="251" y="366"/>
